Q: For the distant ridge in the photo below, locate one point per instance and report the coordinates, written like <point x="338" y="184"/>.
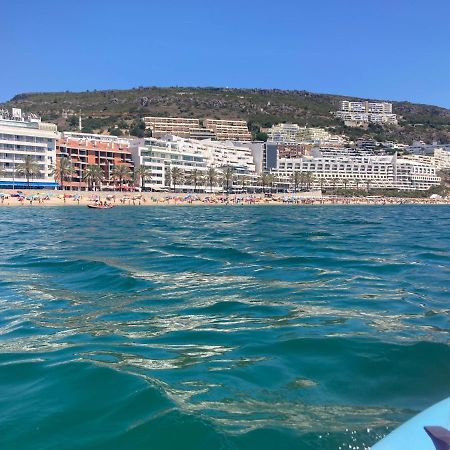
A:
<point x="106" y="109"/>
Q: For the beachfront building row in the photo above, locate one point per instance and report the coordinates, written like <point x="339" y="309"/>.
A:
<point x="362" y="113"/>
<point x="221" y="130"/>
<point x="25" y="137"/>
<point x="193" y="158"/>
<point x="356" y="172"/>
<point x="291" y="133"/>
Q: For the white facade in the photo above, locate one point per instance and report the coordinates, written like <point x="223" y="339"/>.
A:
<point x="22" y="136"/>
<point x="383" y="172"/>
<point x="291" y="133"/>
<point x="162" y="155"/>
<point x="284" y="133"/>
<point x="95" y="137"/>
<point x="355" y="113"/>
<point x="220" y="154"/>
<point x="160" y="126"/>
<point x="369" y="107"/>
<point x="442" y="158"/>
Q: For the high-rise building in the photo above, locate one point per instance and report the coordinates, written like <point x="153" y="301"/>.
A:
<point x="24" y="135"/>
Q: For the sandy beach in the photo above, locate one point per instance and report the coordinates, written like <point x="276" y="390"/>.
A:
<point x="74" y="198"/>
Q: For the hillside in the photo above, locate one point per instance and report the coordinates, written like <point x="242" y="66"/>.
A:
<point x="103" y="110"/>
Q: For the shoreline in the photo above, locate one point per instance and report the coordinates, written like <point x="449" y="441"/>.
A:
<point x="314" y="198"/>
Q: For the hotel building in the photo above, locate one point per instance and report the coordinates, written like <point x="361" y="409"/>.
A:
<point x="284" y="133"/>
<point x="383" y="172"/>
<point x="162" y="155"/>
<point x="440" y="158"/>
<point x="291" y="133"/>
<point x="368" y="107"/>
<point x="229" y="130"/>
<point x="25" y="135"/>
<point x="361" y="113"/>
<point x="178" y="126"/>
<point x="221" y="130"/>
<point x="85" y="149"/>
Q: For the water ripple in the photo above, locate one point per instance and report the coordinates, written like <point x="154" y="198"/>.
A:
<point x="220" y="327"/>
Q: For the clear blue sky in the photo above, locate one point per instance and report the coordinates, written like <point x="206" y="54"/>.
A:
<point x="391" y="49"/>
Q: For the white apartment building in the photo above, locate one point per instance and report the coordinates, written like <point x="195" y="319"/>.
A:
<point x="162" y="155"/>
<point x="220" y="154"/>
<point x="285" y="133"/>
<point x="442" y="158"/>
<point x="357" y="113"/>
<point x="383" y="172"/>
<point x="25" y="135"/>
<point x="368" y="107"/>
<point x="291" y="133"/>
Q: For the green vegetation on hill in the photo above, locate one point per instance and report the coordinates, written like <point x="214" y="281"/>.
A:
<point x="120" y="111"/>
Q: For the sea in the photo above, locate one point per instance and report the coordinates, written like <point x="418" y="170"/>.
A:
<point x="220" y="327"/>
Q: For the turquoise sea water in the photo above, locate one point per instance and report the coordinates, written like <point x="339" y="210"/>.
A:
<point x="220" y="327"/>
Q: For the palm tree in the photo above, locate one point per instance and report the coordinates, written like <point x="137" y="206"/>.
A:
<point x="345" y="182"/>
<point x="29" y="168"/>
<point x="144" y="172"/>
<point x="321" y="182"/>
<point x="295" y="178"/>
<point x="194" y="177"/>
<point x="302" y="180"/>
<point x="271" y="179"/>
<point x="333" y="183"/>
<point x="211" y="176"/>
<point x="176" y="176"/>
<point x="265" y="180"/>
<point x="93" y="174"/>
<point x="167" y="177"/>
<point x="244" y="180"/>
<point x="228" y="174"/>
<point x="63" y="171"/>
<point x="309" y="177"/>
<point x="121" y="172"/>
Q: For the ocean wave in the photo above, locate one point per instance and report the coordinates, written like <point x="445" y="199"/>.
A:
<point x="220" y="328"/>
